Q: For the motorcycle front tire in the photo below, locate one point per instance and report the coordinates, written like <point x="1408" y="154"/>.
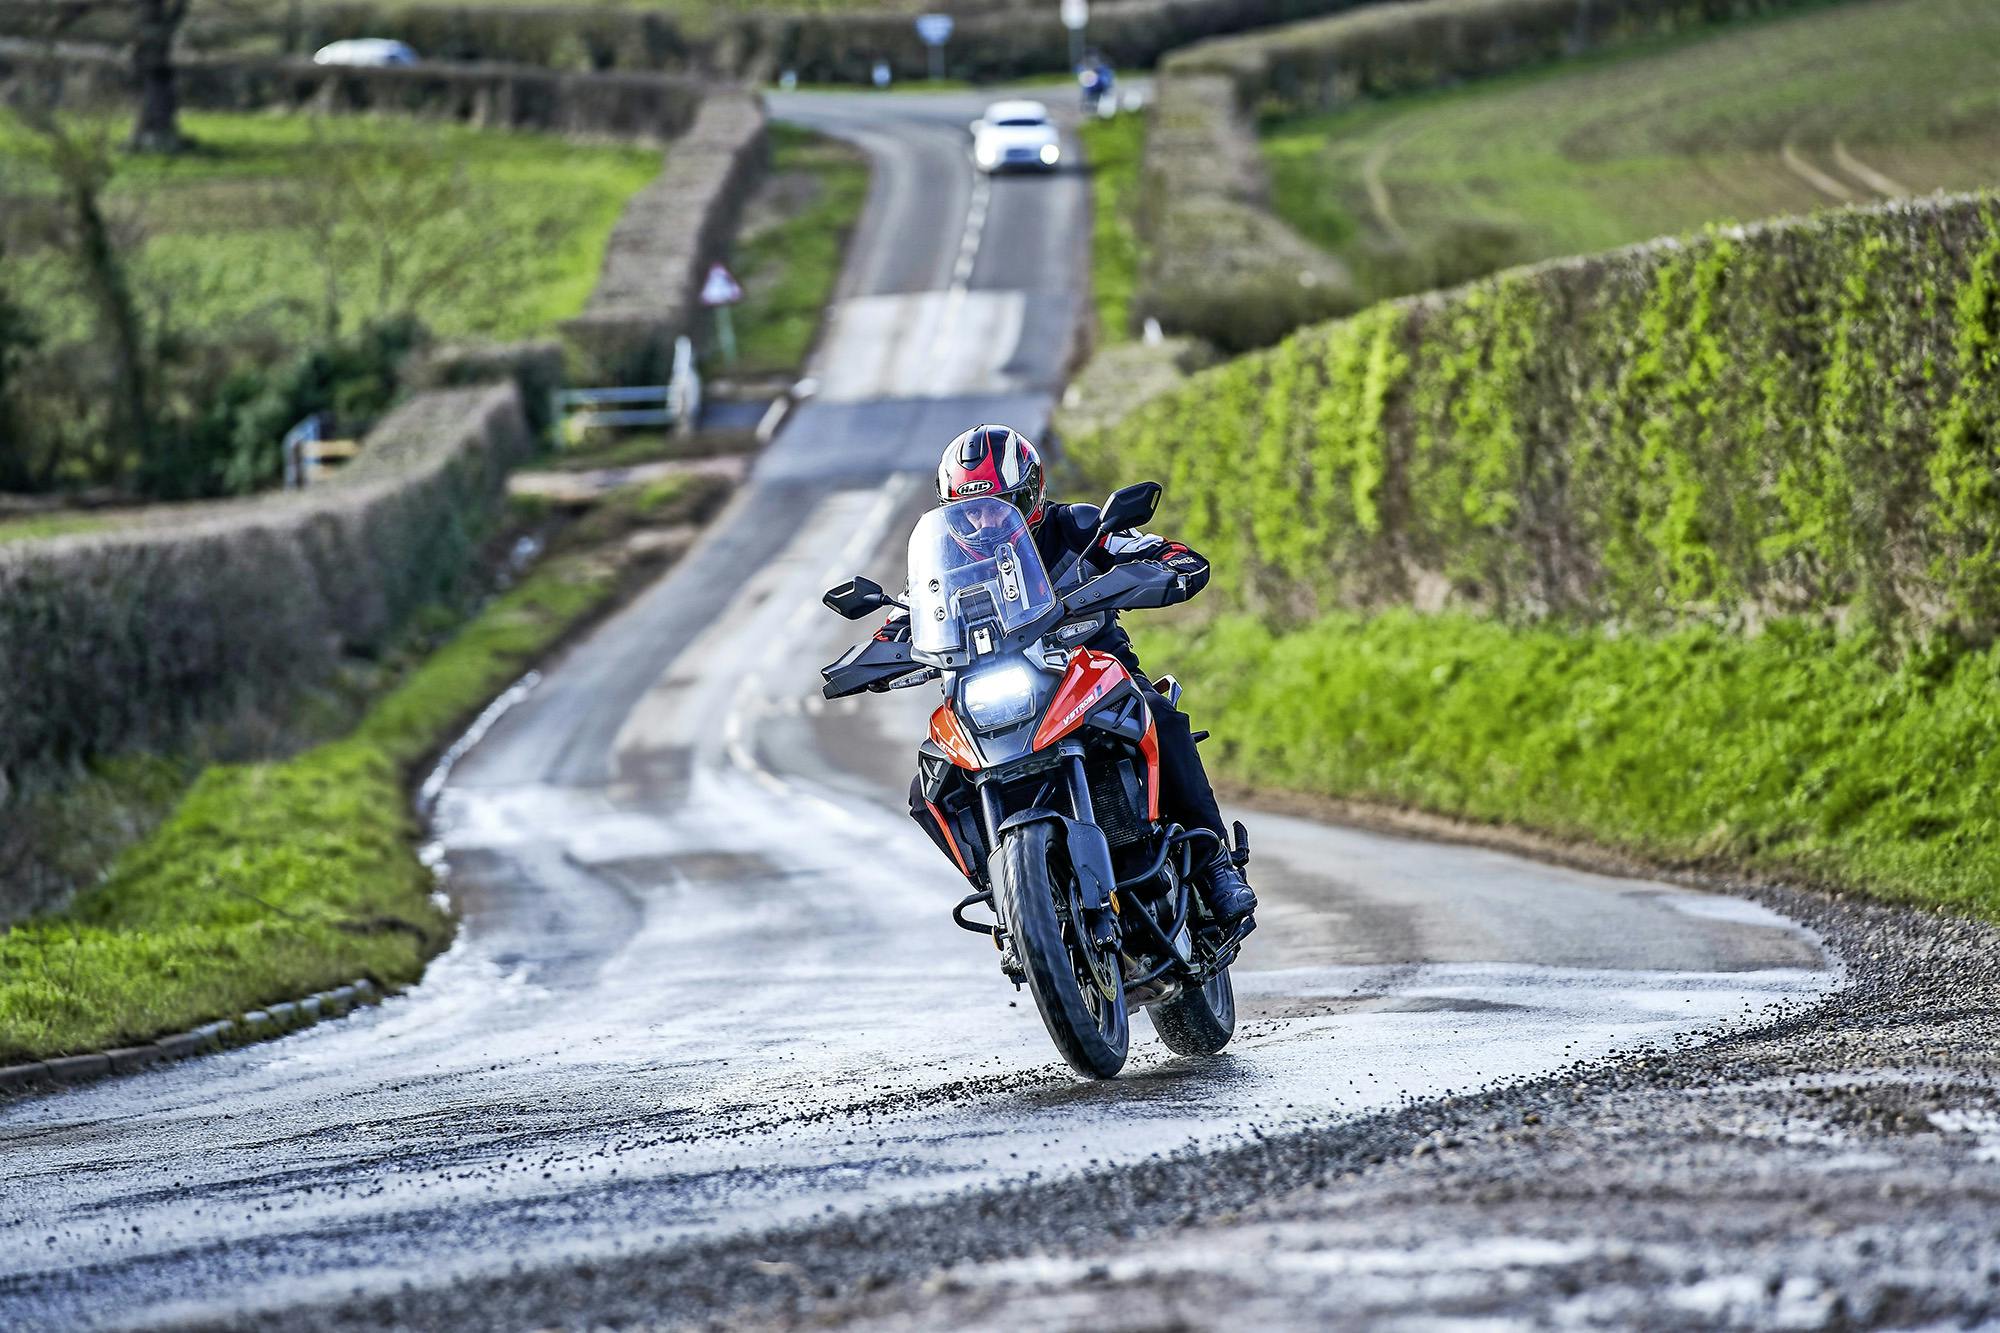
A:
<point x="1091" y="1030"/>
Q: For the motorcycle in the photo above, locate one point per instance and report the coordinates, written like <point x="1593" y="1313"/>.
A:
<point x="1042" y="768"/>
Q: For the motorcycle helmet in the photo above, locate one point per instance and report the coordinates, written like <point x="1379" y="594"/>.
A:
<point x="994" y="460"/>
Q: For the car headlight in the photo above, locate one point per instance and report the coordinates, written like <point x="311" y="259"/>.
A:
<point x="999" y="696"/>
<point x="1049" y="154"/>
<point x="986" y="153"/>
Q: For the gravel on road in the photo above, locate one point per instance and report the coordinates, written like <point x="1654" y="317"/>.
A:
<point x="1838" y="1167"/>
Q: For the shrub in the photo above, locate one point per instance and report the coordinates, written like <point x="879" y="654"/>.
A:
<point x="1217" y="264"/>
<point x="1797" y="752"/>
<point x="660" y="249"/>
<point x="623" y="105"/>
<point x="233" y="448"/>
<point x="120" y="637"/>
<point x="1795" y="418"/>
<point x="274" y="880"/>
<point x="995" y="39"/>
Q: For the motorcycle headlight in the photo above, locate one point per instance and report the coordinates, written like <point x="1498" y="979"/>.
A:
<point x="999" y="696"/>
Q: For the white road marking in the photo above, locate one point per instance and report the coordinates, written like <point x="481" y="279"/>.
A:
<point x="975" y="232"/>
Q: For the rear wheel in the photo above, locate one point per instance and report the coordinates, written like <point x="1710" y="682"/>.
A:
<point x="1200" y="1020"/>
<point x="1079" y="993"/>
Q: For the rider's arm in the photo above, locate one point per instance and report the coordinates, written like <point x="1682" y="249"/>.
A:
<point x="1189" y="568"/>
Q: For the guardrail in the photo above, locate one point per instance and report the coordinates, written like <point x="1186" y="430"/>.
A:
<point x="676" y="403"/>
<point x="307" y="454"/>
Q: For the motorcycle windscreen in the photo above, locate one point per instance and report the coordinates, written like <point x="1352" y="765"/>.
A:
<point x="975" y="576"/>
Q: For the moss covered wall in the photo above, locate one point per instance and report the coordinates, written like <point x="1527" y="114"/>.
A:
<point x="1794" y="418"/>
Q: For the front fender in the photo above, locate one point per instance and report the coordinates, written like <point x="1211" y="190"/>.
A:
<point x="1089" y="853"/>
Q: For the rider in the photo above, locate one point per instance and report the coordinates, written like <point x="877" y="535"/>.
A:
<point x="999" y="461"/>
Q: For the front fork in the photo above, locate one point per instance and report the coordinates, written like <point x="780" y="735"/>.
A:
<point x="1100" y="917"/>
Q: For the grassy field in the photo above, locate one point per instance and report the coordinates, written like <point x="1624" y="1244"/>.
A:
<point x="1851" y="103"/>
<point x="789" y="254"/>
<point x="288" y="223"/>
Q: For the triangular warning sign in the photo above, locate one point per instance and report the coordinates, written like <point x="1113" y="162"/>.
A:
<point x="721" y="288"/>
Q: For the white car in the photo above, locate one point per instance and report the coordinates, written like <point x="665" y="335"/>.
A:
<point x="375" y="52"/>
<point x="1015" y="136"/>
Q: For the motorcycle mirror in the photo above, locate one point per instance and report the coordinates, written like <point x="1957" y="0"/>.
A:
<point x="857" y="597"/>
<point x="1130" y="507"/>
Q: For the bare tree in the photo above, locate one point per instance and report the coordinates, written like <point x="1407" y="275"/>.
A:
<point x="81" y="162"/>
<point x="83" y="169"/>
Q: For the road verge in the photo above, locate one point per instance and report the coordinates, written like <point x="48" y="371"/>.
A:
<point x="275" y="880"/>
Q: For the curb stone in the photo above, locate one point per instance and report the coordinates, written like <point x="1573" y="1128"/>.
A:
<point x="76" y="1068"/>
<point x="271" y="1021"/>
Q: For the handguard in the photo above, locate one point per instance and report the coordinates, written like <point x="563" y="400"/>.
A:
<point x="1130" y="587"/>
<point x="872" y="665"/>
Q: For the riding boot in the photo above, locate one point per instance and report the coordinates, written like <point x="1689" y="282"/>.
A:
<point x="1229" y="896"/>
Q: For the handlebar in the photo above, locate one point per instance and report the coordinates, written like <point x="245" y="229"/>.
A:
<point x="885" y="664"/>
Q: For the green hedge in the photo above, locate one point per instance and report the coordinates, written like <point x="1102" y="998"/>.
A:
<point x="994" y="39"/>
<point x="1796" y="752"/>
<point x="633" y="106"/>
<point x="1795" y="418"/>
<point x="647" y="292"/>
<point x="1417" y="44"/>
<point x="123" y="637"/>
<point x="272" y="881"/>
<point x="1215" y="261"/>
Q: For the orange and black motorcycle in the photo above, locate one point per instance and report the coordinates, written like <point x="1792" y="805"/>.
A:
<point x="1043" y="769"/>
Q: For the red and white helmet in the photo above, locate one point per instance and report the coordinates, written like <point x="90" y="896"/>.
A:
<point x="994" y="460"/>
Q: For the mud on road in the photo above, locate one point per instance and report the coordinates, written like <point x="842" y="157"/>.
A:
<point x="1836" y="1168"/>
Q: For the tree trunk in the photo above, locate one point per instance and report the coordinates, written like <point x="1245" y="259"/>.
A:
<point x="155" y="24"/>
<point x="105" y="281"/>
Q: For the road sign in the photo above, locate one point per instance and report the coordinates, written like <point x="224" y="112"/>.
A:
<point x="721" y="288"/>
<point x="1075" y="14"/>
<point x="934" y="29"/>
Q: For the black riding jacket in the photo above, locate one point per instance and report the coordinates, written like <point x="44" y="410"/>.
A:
<point x="1065" y="530"/>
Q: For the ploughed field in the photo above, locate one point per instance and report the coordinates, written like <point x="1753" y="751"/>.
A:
<point x="1851" y="103"/>
<point x="292" y="227"/>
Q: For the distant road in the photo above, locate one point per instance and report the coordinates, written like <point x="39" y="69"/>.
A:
<point x="707" y="981"/>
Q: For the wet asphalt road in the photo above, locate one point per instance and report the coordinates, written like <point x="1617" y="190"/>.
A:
<point x="707" y="983"/>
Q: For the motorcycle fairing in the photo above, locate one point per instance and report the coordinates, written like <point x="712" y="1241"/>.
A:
<point x="1091" y="676"/>
<point x="951" y="736"/>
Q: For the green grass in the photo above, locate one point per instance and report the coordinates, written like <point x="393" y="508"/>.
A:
<point x="1794" y="753"/>
<point x="1113" y="149"/>
<point x="510" y="226"/>
<point x="1599" y="153"/>
<point x="51" y="525"/>
<point x="273" y="880"/>
<point x="789" y="263"/>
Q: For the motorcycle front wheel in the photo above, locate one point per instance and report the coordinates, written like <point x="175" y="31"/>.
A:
<point x="1088" y="1025"/>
